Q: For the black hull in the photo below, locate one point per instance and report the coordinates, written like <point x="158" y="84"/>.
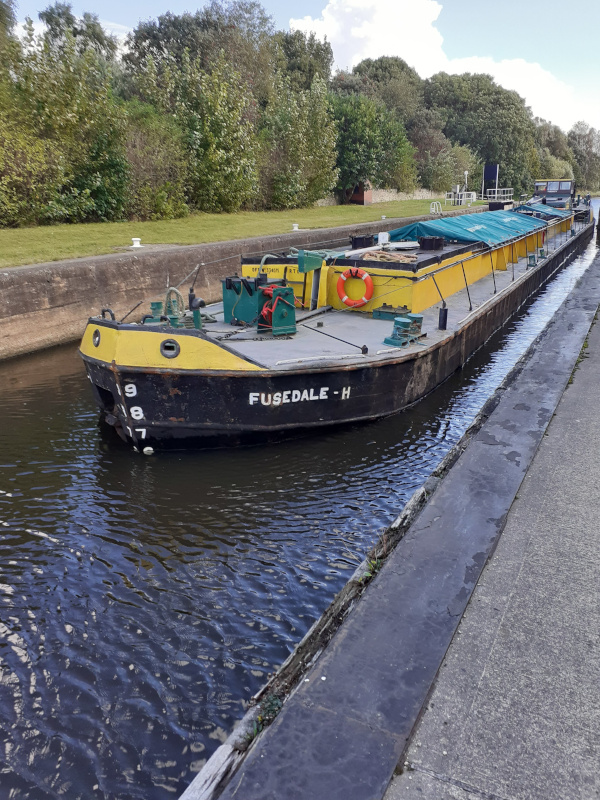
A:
<point x="195" y="409"/>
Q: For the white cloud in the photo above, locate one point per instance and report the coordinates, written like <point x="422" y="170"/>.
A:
<point x="360" y="29"/>
<point x="115" y="29"/>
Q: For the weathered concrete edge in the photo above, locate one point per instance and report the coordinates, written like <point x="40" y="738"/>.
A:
<point x="42" y="305"/>
<point x="227" y="758"/>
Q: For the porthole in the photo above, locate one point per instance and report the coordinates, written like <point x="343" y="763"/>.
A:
<point x="96" y="338"/>
<point x="169" y="348"/>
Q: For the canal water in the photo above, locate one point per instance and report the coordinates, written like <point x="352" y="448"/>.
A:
<point x="143" y="600"/>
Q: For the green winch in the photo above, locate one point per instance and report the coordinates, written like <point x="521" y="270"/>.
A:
<point x="406" y="329"/>
<point x="254" y="302"/>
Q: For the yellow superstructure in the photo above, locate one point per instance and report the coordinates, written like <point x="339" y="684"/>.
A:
<point x="404" y="287"/>
<point x="141" y="347"/>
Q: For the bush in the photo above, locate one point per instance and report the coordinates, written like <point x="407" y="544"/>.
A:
<point x="31" y="173"/>
<point x="157" y="164"/>
<point x="372" y="146"/>
<point x="297" y="164"/>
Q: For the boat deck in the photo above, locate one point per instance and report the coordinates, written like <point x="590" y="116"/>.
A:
<point x="328" y="337"/>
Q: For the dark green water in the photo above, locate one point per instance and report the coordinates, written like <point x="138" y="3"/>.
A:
<point x="143" y="600"/>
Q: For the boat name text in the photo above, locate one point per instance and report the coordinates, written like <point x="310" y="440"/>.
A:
<point x="294" y="396"/>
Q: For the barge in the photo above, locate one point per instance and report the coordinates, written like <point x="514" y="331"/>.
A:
<point x="310" y="339"/>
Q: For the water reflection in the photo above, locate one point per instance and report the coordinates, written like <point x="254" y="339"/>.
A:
<point x="142" y="599"/>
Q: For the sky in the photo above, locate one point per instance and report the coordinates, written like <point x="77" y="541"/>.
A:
<point x="541" y="48"/>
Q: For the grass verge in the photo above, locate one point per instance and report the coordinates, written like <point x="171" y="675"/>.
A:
<point x="20" y="246"/>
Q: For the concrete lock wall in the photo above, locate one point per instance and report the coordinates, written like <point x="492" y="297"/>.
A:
<point x="48" y="304"/>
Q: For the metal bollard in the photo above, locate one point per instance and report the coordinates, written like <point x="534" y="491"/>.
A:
<point x="443" y="318"/>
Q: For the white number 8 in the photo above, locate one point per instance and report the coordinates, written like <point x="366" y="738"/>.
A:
<point x="136" y="412"/>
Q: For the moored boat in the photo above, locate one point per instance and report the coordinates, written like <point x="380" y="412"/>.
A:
<point x="320" y="338"/>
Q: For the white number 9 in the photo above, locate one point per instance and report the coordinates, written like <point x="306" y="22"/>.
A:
<point x="130" y="389"/>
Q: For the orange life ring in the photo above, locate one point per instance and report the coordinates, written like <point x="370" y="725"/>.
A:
<point x="355" y="272"/>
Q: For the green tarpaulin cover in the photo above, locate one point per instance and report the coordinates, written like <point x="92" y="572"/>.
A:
<point x="546" y="211"/>
<point x="491" y="227"/>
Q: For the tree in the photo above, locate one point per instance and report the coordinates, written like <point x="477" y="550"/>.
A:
<point x="223" y="172"/>
<point x="214" y="113"/>
<point x="9" y="43"/>
<point x="432" y="150"/>
<point x="397" y="166"/>
<point x="63" y="99"/>
<point x="552" y="138"/>
<point x="298" y="138"/>
<point x="372" y="146"/>
<point x="585" y="144"/>
<point x="359" y="143"/>
<point x="447" y="167"/>
<point x="31" y="171"/>
<point x="87" y="31"/>
<point x="493" y="122"/>
<point x="348" y="83"/>
<point x="321" y="143"/>
<point x="238" y="28"/>
<point x="303" y="57"/>
<point x="7" y="17"/>
<point x="395" y="83"/>
<point x="156" y="154"/>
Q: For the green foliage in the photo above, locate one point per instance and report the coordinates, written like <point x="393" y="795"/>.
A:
<point x="585" y="144"/>
<point x="493" y="122"/>
<point x="396" y="84"/>
<point x="31" y="172"/>
<point x="283" y="149"/>
<point x="397" y="168"/>
<point x="76" y="170"/>
<point x="552" y="167"/>
<point x="447" y="167"/>
<point x="351" y="83"/>
<point x="7" y="19"/>
<point x="103" y="175"/>
<point x="372" y="146"/>
<point x="303" y="57"/>
<point x="554" y="156"/>
<point x="359" y="141"/>
<point x="87" y="32"/>
<point x="156" y="155"/>
<point x="321" y="144"/>
<point x="432" y="150"/>
<point x="214" y="112"/>
<point x="551" y="137"/>
<point x="239" y="29"/>
<point x="297" y="164"/>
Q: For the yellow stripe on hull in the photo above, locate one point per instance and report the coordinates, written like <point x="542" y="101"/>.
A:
<point x="141" y="348"/>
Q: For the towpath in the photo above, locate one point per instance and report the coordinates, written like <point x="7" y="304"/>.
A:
<point x="508" y="691"/>
<point x="515" y="712"/>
